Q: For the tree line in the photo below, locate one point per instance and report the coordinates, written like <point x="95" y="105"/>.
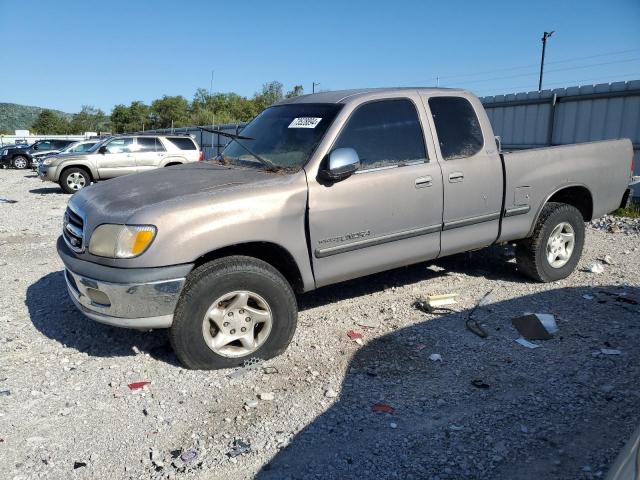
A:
<point x="166" y="112"/>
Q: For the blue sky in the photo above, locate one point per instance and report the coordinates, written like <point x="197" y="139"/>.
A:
<point x="63" y="54"/>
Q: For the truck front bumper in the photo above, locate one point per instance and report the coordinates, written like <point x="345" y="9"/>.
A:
<point x="140" y="298"/>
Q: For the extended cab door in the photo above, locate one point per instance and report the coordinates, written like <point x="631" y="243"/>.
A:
<point x="471" y="172"/>
<point x="149" y="153"/>
<point x="389" y="212"/>
<point x="118" y="158"/>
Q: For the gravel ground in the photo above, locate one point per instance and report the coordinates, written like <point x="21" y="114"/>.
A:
<point x="562" y="410"/>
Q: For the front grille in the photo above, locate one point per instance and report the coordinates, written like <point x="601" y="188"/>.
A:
<point x="73" y="230"/>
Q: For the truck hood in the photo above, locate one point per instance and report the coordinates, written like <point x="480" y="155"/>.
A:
<point x="116" y="200"/>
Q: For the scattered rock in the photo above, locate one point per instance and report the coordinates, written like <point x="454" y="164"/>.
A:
<point x="268" y="396"/>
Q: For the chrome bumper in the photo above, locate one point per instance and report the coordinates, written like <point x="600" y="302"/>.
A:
<point x="129" y="305"/>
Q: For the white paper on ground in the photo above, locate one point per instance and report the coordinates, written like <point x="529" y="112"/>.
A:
<point x="526" y="343"/>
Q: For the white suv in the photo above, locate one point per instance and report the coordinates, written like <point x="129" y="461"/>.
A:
<point x="117" y="156"/>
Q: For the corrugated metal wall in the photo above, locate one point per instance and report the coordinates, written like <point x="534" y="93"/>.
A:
<point x="568" y="115"/>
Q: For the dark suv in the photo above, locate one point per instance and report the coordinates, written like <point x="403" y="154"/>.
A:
<point x="21" y="157"/>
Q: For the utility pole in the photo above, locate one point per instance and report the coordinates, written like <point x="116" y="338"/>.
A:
<point x="545" y="35"/>
<point x="213" y="113"/>
<point x="313" y="86"/>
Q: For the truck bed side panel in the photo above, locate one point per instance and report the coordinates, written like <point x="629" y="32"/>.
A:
<point x="533" y="176"/>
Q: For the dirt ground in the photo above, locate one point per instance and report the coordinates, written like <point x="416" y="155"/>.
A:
<point x="484" y="409"/>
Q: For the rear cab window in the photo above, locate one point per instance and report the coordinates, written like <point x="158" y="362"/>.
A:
<point x="384" y="133"/>
<point x="149" y="144"/>
<point x="457" y="126"/>
<point x="183" y="143"/>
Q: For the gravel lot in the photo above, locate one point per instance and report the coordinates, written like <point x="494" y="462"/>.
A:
<point x="559" y="411"/>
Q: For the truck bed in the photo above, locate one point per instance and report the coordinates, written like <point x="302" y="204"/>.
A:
<point x="531" y="177"/>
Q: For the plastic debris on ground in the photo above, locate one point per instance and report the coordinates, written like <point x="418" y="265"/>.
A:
<point x="479" y="384"/>
<point x="435" y="302"/>
<point x="610" y="351"/>
<point x="77" y="465"/>
<point x="595" y="267"/>
<point x="239" y="447"/>
<point x="138" y="385"/>
<point x="382" y="408"/>
<point x="355" y="337"/>
<point x="472" y="323"/>
<point x="587" y="296"/>
<point x="6" y="200"/>
<point x="608" y="260"/>
<point x="189" y="456"/>
<point x="526" y="343"/>
<point x="435" y="357"/>
<point x="5" y="393"/>
<point x="536" y="326"/>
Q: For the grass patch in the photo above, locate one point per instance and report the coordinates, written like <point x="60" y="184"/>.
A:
<point x="632" y="211"/>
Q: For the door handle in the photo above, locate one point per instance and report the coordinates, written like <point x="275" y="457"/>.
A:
<point x="422" y="182"/>
<point x="456" y="177"/>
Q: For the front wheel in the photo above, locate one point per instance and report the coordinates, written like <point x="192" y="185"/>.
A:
<point x="20" y="162"/>
<point x="232" y="310"/>
<point x="554" y="249"/>
<point x="74" y="179"/>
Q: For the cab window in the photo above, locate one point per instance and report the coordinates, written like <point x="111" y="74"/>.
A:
<point x="384" y="133"/>
<point x="457" y="126"/>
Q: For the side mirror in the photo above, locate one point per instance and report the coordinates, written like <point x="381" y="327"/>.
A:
<point x="103" y="149"/>
<point x="342" y="163"/>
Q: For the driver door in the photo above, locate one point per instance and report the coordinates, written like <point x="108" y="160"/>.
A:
<point x="118" y="159"/>
<point x="387" y="214"/>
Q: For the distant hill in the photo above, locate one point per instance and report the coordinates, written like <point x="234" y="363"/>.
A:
<point x="14" y="116"/>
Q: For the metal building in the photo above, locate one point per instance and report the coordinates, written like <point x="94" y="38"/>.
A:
<point x="568" y="115"/>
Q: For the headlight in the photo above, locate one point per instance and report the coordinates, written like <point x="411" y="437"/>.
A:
<point x="121" y="241"/>
<point x="4" y="152"/>
<point x="47" y="161"/>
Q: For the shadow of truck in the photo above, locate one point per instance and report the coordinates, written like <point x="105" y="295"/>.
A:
<point x="560" y="411"/>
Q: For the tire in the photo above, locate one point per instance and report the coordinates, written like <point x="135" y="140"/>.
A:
<point x="74" y="179"/>
<point x="214" y="287"/>
<point x="20" y="162"/>
<point x="533" y="255"/>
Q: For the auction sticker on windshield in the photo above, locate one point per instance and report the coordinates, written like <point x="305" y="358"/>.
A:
<point x="305" y="122"/>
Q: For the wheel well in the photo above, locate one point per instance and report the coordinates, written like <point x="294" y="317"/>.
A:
<point x="273" y="254"/>
<point x="81" y="167"/>
<point x="173" y="163"/>
<point x="578" y="197"/>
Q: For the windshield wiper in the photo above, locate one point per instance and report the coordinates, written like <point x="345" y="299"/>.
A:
<point x="233" y="136"/>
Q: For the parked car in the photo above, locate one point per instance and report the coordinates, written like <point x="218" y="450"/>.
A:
<point x="319" y="189"/>
<point x="73" y="148"/>
<point x="20" y="158"/>
<point x="117" y="156"/>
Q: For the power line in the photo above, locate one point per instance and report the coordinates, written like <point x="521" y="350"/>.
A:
<point x="527" y="74"/>
<point x="508" y="69"/>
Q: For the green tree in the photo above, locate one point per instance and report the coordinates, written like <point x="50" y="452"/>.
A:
<point x="50" y="123"/>
<point x="168" y="110"/>
<point x="89" y="119"/>
<point x="133" y="118"/>
<point x="296" y="91"/>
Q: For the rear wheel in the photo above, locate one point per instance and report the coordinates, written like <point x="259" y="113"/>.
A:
<point x="232" y="310"/>
<point x="554" y="249"/>
<point x="20" y="162"/>
<point x="74" y="179"/>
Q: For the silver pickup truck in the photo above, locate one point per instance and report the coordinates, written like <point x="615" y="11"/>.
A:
<point x="316" y="190"/>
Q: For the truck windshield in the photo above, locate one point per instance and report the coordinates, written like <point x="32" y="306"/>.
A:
<point x="284" y="135"/>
